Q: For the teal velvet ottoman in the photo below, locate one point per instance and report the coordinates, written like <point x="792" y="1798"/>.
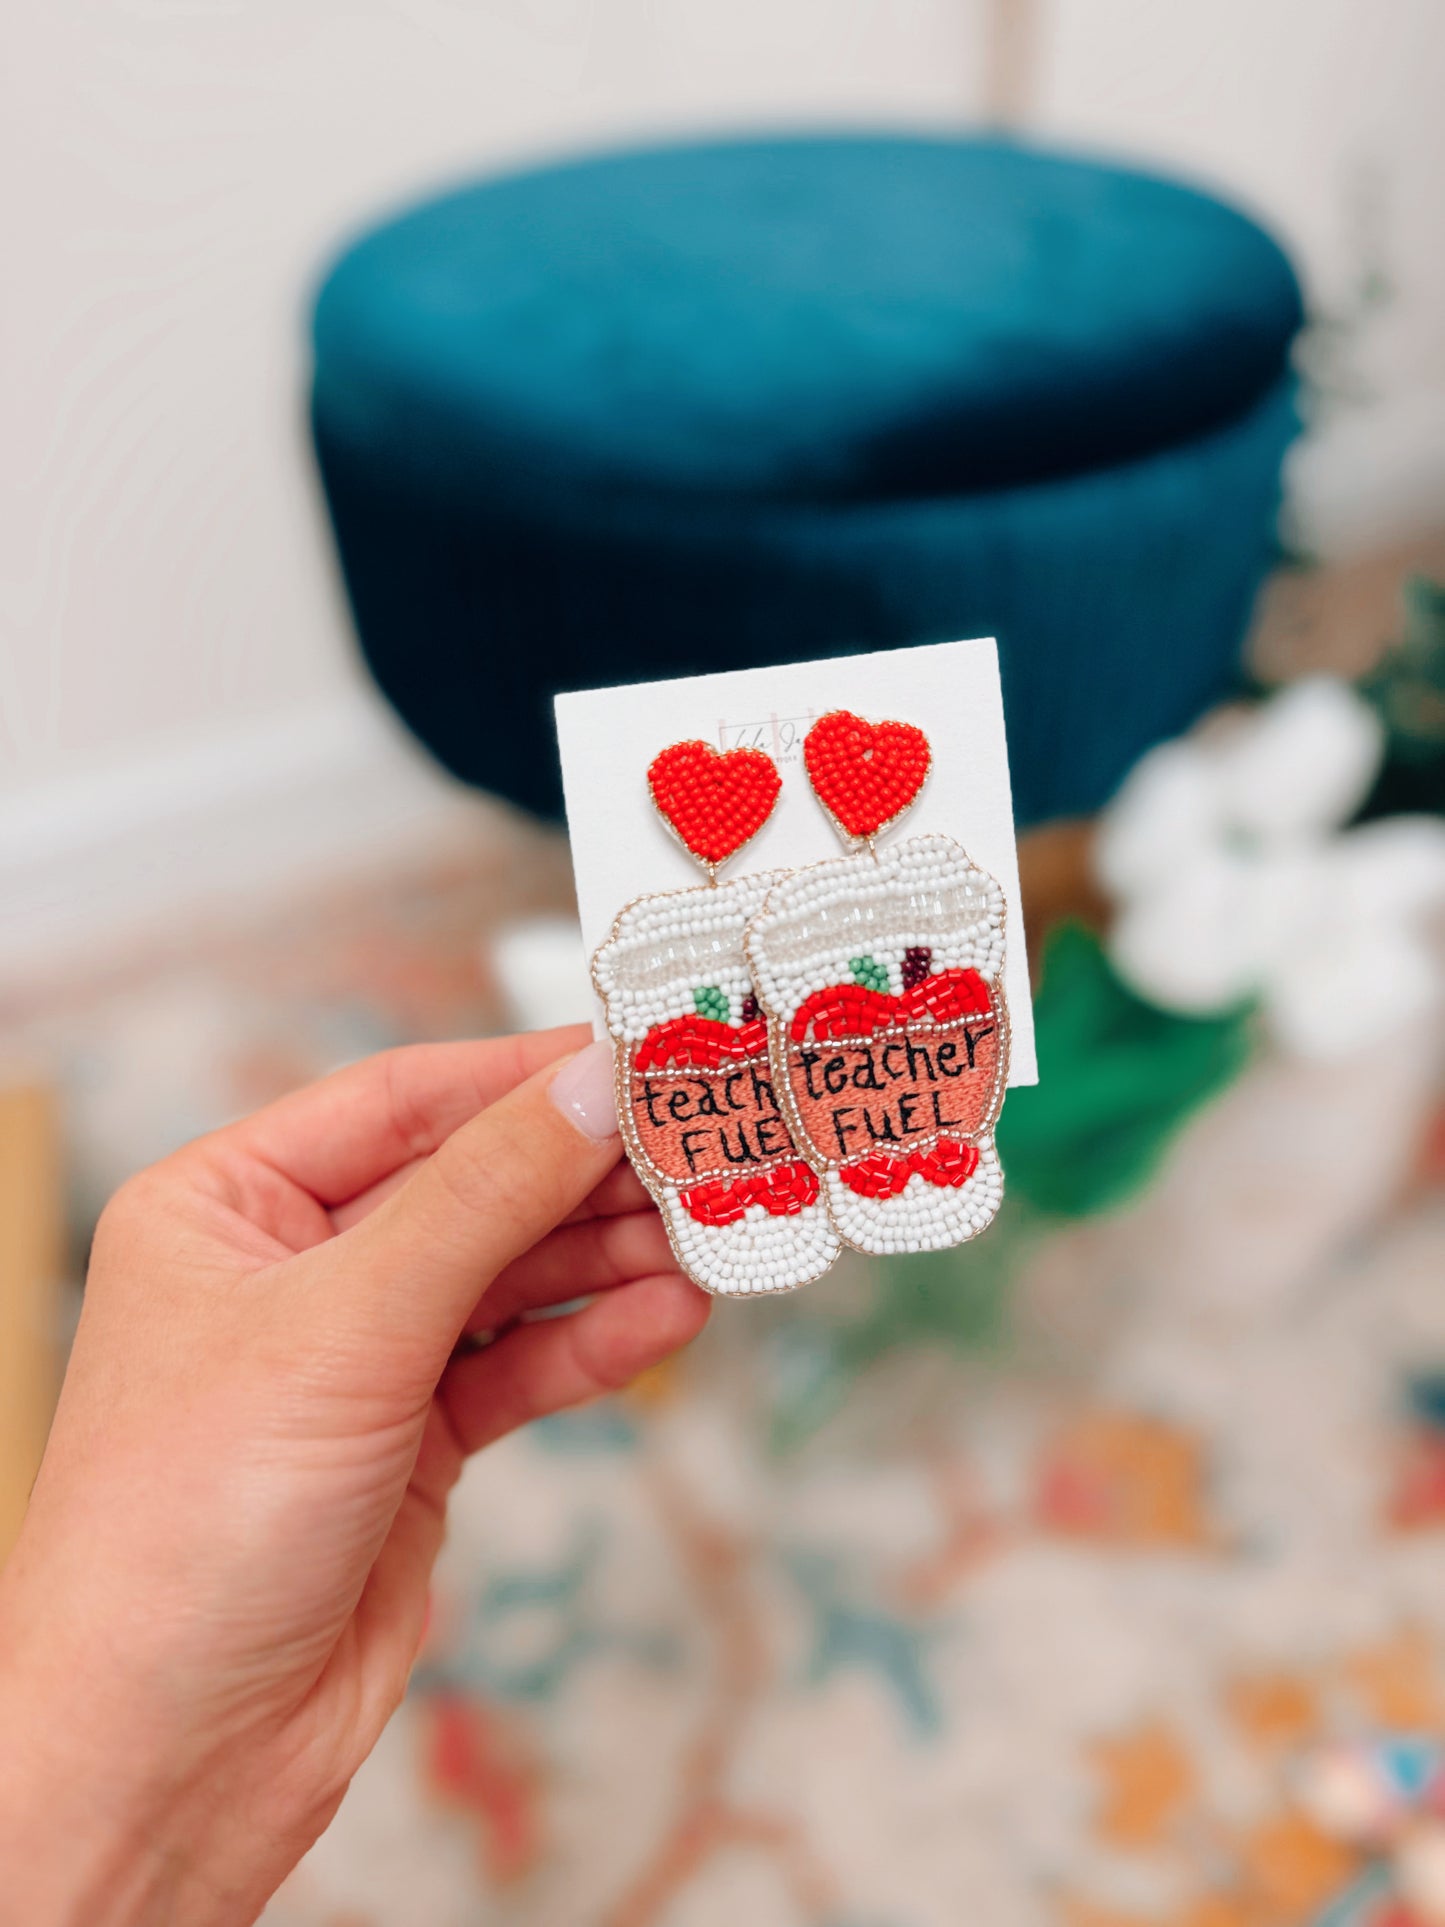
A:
<point x="707" y="406"/>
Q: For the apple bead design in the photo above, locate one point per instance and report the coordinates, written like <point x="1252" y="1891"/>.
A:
<point x="882" y="979"/>
<point x="700" y="1115"/>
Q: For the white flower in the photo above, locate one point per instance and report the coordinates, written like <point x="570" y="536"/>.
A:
<point x="1234" y="882"/>
<point x="542" y="970"/>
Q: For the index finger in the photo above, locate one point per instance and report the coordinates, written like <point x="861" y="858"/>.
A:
<point x="355" y="1128"/>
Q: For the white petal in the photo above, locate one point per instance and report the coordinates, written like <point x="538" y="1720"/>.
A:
<point x="1393" y="869"/>
<point x="1335" y="999"/>
<point x="1304" y="762"/>
<point x="1289" y="891"/>
<point x="542" y="968"/>
<point x="1195" y="944"/>
<point x="1167" y="812"/>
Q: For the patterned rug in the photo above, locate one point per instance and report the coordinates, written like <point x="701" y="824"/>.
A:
<point x="1048" y="1627"/>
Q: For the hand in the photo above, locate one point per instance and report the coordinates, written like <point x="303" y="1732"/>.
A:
<point x="221" y="1584"/>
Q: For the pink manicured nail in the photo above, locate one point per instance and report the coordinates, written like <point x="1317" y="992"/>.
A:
<point x="584" y="1091"/>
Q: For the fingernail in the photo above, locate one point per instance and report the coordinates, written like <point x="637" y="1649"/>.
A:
<point x="584" y="1091"/>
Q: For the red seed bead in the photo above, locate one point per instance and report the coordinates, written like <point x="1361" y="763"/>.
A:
<point x="865" y="774"/>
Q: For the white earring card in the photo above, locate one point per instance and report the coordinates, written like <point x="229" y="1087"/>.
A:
<point x="622" y="850"/>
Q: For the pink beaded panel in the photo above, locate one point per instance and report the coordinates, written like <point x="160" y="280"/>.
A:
<point x="878" y="1080"/>
<point x="706" y="1118"/>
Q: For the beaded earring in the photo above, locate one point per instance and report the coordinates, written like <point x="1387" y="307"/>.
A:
<point x="881" y="975"/>
<point x="695" y="1092"/>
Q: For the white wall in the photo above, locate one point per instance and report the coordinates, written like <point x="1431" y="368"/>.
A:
<point x="173" y="172"/>
<point x="1325" y="117"/>
<point x="176" y="169"/>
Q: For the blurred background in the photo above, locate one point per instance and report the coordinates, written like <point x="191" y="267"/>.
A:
<point x="1095" y="1575"/>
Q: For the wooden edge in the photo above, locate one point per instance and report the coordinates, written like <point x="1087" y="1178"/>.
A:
<point x="30" y="1270"/>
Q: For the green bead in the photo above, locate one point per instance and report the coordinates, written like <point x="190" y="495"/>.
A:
<point x="709" y="1001"/>
<point x="869" y="973"/>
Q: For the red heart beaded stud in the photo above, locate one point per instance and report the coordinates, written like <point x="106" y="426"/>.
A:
<point x="713" y="800"/>
<point x="865" y="774"/>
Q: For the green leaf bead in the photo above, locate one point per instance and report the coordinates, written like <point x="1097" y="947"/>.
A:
<point x="871" y="974"/>
<point x="709" y="1001"/>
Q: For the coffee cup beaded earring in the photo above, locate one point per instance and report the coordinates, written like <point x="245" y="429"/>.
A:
<point x="881" y="974"/>
<point x="700" y="1117"/>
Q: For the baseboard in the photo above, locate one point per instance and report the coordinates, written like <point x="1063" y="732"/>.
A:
<point x="208" y="831"/>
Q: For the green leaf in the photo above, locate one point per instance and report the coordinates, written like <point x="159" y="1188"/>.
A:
<point x="1117" y="1079"/>
<point x="709" y="1001"/>
<point x="869" y="973"/>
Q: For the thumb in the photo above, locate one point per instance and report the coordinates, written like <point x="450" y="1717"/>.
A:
<point x="415" y="1267"/>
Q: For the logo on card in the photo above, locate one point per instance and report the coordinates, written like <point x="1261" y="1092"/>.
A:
<point x="780" y="737"/>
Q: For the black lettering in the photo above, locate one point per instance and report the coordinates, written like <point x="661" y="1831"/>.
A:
<point x="679" y="1105"/>
<point x="650" y="1095"/>
<point x="688" y="1150"/>
<point x="733" y="1103"/>
<point x="763" y="1090"/>
<point x="973" y="1038"/>
<point x="885" y="1135"/>
<point x="943" y="1123"/>
<point x="842" y="1130"/>
<point x="744" y="1153"/>
<point x="888" y="1051"/>
<point x="865" y="1076"/>
<point x="918" y="1055"/>
<point x="947" y="1052"/>
<point x="707" y="1104"/>
<point x="809" y="1059"/>
<point x="907" y="1104"/>
<point x="772" y="1138"/>
<point x="835" y="1076"/>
